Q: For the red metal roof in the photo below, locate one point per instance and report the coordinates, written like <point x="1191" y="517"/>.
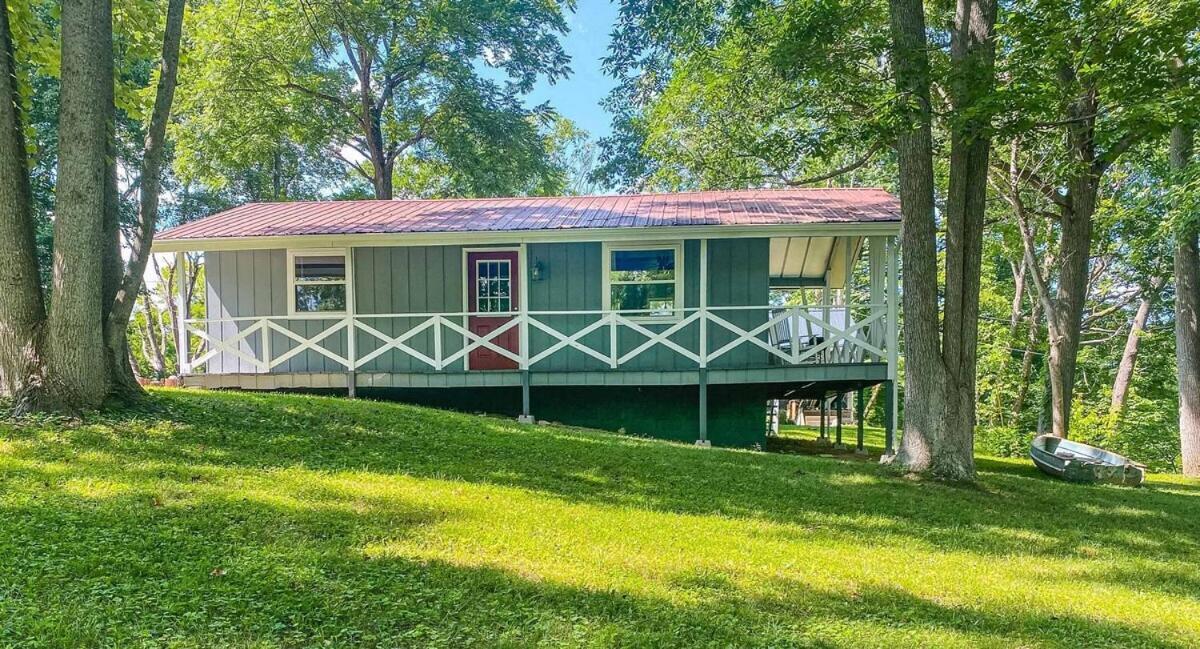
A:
<point x="717" y="208"/>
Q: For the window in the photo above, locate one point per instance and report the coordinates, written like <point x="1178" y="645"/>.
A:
<point x="318" y="280"/>
<point x="493" y="286"/>
<point x="646" y="281"/>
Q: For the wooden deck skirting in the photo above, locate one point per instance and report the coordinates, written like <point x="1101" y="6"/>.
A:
<point x="841" y="373"/>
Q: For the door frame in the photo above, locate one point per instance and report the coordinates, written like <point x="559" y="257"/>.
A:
<point x="522" y="287"/>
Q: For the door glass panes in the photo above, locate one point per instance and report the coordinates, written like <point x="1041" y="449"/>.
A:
<point x="493" y="286"/>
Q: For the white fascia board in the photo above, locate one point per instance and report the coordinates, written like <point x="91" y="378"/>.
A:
<point x="476" y="238"/>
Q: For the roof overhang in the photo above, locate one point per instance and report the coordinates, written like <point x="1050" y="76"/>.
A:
<point x="487" y="237"/>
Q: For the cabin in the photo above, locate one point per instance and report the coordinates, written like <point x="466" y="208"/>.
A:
<point x="676" y="315"/>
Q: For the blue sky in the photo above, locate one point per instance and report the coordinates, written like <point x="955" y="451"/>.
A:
<point x="578" y="97"/>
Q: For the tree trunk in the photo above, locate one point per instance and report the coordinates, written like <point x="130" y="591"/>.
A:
<point x="1129" y="357"/>
<point x="22" y="311"/>
<point x="924" y="395"/>
<point x="152" y="350"/>
<point x="1035" y="319"/>
<point x="1075" y="247"/>
<point x="116" y="324"/>
<point x="75" y="379"/>
<point x="1014" y="317"/>
<point x="972" y="52"/>
<point x="939" y="422"/>
<point x="1187" y="314"/>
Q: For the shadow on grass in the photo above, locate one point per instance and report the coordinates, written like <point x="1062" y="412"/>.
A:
<point x="220" y="568"/>
<point x="1015" y="510"/>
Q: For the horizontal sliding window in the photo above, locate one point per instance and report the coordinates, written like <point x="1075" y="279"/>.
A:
<point x="318" y="282"/>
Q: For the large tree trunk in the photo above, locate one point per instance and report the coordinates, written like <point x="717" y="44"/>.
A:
<point x="22" y="311"/>
<point x="1120" y="391"/>
<point x="1187" y="315"/>
<point x="124" y="297"/>
<point x="939" y="402"/>
<point x="972" y="52"/>
<point x="1075" y="247"/>
<point x="75" y="379"/>
<point x="924" y="394"/>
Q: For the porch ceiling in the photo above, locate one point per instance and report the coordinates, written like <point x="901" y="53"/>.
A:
<point x="805" y="260"/>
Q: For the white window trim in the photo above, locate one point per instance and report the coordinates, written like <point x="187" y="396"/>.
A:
<point x="319" y="252"/>
<point x="512" y="281"/>
<point x="606" y="274"/>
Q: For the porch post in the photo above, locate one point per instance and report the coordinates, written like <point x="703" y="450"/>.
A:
<point x="824" y="402"/>
<point x="858" y="419"/>
<point x="840" y="405"/>
<point x="876" y="259"/>
<point x="893" y="351"/>
<point x="526" y="417"/>
<point x="523" y="313"/>
<point x="847" y="301"/>
<point x="702" y="372"/>
<point x="351" y="330"/>
<point x="703" y="303"/>
<point x="889" y="418"/>
<point x="181" y="344"/>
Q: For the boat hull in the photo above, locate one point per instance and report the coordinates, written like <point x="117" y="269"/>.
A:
<point x="1077" y="462"/>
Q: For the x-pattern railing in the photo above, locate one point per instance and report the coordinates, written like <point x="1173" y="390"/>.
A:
<point x="788" y="335"/>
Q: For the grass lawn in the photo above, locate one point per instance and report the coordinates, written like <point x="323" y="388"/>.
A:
<point x="223" y="519"/>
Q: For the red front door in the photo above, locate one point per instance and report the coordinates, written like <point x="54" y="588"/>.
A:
<point x="493" y="286"/>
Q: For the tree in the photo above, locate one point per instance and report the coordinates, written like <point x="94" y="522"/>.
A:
<point x="1187" y="284"/>
<point x="22" y="311"/>
<point x="124" y="298"/>
<point x="377" y="84"/>
<point x="939" y="402"/>
<point x="720" y="95"/>
<point x="74" y="338"/>
<point x="51" y="362"/>
<point x="1087" y="82"/>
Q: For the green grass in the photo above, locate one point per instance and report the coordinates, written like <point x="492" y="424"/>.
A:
<point x="210" y="519"/>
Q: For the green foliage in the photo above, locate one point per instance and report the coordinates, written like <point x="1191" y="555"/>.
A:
<point x="267" y="520"/>
<point x="443" y="96"/>
<point x="769" y="93"/>
<point x="1003" y="441"/>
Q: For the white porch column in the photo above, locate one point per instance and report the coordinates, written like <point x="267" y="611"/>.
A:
<point x="877" y="260"/>
<point x="893" y="351"/>
<point x="183" y="311"/>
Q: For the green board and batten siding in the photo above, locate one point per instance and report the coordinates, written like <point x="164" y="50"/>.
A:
<point x="253" y="283"/>
<point x="414" y="279"/>
<point x="428" y="279"/>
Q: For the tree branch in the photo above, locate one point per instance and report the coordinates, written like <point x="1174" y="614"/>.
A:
<point x="862" y="160"/>
<point x="1037" y="182"/>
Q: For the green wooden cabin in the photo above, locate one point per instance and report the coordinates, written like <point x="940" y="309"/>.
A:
<point x="668" y="315"/>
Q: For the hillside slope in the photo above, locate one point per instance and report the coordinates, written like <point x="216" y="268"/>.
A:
<point x="224" y="519"/>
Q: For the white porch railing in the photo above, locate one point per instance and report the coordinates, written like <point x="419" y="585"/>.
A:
<point x="702" y="337"/>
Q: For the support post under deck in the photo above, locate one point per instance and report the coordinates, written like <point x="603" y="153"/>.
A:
<point x="526" y="417"/>
<point x="840" y="406"/>
<point x="703" y="409"/>
<point x="859" y="406"/>
<point x="889" y="418"/>
<point x="824" y="436"/>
